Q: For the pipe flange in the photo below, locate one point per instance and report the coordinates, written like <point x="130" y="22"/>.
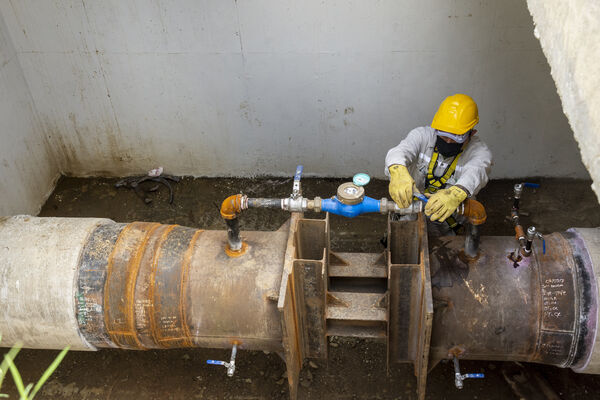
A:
<point x="350" y="194"/>
<point x="317" y="204"/>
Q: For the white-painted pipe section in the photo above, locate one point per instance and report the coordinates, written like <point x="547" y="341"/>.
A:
<point x="39" y="258"/>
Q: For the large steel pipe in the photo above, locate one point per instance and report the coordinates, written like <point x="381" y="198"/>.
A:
<point x="541" y="309"/>
<point x="93" y="283"/>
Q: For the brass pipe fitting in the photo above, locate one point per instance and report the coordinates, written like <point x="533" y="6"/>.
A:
<point x="232" y="206"/>
<point x="474" y="211"/>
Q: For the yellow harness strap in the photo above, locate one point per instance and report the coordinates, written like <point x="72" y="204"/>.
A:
<point x="432" y="183"/>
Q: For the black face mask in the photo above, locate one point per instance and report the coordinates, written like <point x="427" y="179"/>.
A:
<point x="447" y="149"/>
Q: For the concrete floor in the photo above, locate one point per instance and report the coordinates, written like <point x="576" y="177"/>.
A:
<point x="356" y="368"/>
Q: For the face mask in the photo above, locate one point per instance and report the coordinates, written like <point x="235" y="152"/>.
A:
<point x="447" y="149"/>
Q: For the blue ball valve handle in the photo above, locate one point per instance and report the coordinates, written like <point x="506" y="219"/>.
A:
<point x="296" y="188"/>
<point x="298" y="174"/>
<point x="479" y="376"/>
<point x="421" y="197"/>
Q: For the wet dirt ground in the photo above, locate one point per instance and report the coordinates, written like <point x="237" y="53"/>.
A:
<point x="356" y="369"/>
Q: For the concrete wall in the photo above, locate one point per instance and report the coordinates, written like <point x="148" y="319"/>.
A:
<point x="27" y="167"/>
<point x="225" y="87"/>
<point x="569" y="32"/>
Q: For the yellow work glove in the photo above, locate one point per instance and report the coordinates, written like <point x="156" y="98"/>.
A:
<point x="443" y="203"/>
<point x="401" y="185"/>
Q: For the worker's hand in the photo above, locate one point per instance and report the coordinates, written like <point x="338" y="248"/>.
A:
<point x="444" y="202"/>
<point x="401" y="185"/>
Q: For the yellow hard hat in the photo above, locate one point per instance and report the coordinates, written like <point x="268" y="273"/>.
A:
<point x="457" y="114"/>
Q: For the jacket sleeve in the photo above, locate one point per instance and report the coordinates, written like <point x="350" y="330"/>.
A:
<point x="407" y="151"/>
<point x="476" y="169"/>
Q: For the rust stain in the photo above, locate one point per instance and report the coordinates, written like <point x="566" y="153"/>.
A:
<point x="126" y="303"/>
<point x="183" y="289"/>
<point x="109" y="269"/>
<point x="153" y="325"/>
<point x="236" y="253"/>
<point x="132" y="272"/>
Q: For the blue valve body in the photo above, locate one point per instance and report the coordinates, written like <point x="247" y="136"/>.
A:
<point x="531" y="185"/>
<point x="215" y="362"/>
<point x="334" y="206"/>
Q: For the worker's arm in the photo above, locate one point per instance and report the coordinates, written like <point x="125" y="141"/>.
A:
<point x="476" y="167"/>
<point x="408" y="150"/>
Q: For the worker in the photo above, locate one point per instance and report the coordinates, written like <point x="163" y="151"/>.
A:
<point x="444" y="161"/>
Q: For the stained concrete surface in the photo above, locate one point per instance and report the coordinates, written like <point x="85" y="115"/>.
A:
<point x="356" y="368"/>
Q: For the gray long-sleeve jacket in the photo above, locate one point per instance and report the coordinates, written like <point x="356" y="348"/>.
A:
<point x="415" y="151"/>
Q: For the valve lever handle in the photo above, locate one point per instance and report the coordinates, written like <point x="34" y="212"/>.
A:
<point x="459" y="378"/>
<point x="229" y="365"/>
<point x="296" y="188"/>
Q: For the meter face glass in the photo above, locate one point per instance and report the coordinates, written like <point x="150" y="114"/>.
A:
<point x="361" y="179"/>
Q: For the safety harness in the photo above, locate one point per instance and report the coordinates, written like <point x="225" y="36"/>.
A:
<point x="433" y="183"/>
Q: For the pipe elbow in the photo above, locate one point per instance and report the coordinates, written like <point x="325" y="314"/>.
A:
<point x="232" y="206"/>
<point x="474" y="211"/>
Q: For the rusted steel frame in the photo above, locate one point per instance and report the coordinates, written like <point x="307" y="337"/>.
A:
<point x="410" y="309"/>
<point x="303" y="322"/>
<point x="426" y="313"/>
<point x="310" y="283"/>
<point x="403" y="284"/>
<point x="310" y="291"/>
<point x="293" y="349"/>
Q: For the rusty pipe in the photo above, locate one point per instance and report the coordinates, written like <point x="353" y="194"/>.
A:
<point x="543" y="311"/>
<point x="136" y="286"/>
<point x="474" y="211"/>
<point x="231" y="208"/>
<point x="147" y="285"/>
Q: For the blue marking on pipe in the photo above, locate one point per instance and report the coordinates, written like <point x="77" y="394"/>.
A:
<point x="299" y="170"/>
<point x="215" y="362"/>
<point x="531" y="185"/>
<point x="543" y="246"/>
<point x="474" y="376"/>
<point x="334" y="206"/>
